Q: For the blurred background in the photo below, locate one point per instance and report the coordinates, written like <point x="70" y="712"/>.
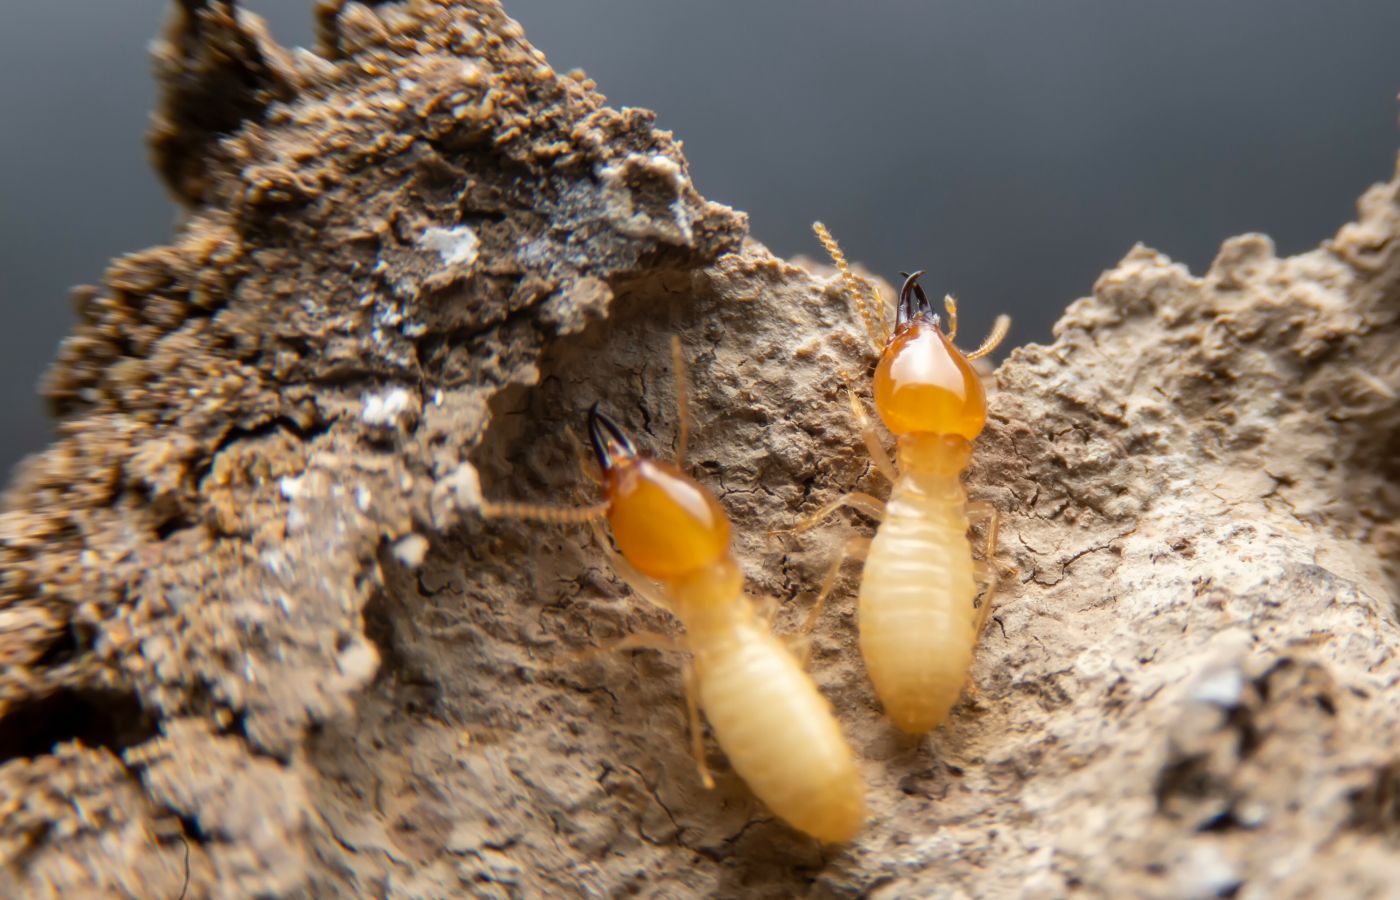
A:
<point x="1014" y="149"/>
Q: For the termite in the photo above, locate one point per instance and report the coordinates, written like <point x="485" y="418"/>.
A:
<point x="778" y="731"/>
<point x="917" y="610"/>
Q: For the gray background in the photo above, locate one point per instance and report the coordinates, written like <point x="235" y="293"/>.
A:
<point x="1014" y="148"/>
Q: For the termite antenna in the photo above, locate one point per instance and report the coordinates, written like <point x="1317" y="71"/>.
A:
<point x="999" y="329"/>
<point x="610" y="442"/>
<point x="527" y="512"/>
<point x="865" y="298"/>
<point x="535" y="512"/>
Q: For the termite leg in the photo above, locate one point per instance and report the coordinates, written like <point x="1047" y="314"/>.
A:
<point x="697" y="737"/>
<point x="854" y="548"/>
<point x="989" y="590"/>
<point x="641" y="585"/>
<point x="871" y="506"/>
<point x="642" y="640"/>
<point x="800" y="646"/>
<point x="766" y="608"/>
<point x="982" y="511"/>
<point x="682" y="400"/>
<point x="648" y="640"/>
<point x="986" y="566"/>
<point x="878" y="456"/>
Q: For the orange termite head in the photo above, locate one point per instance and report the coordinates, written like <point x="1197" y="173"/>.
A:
<point x="923" y="384"/>
<point x="664" y="522"/>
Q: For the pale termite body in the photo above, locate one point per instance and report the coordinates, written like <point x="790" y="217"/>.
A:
<point x="917" y="610"/>
<point x="673" y="548"/>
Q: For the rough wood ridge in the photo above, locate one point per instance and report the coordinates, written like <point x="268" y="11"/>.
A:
<point x="252" y="635"/>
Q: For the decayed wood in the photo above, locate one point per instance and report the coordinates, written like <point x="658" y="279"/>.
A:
<point x="252" y="634"/>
